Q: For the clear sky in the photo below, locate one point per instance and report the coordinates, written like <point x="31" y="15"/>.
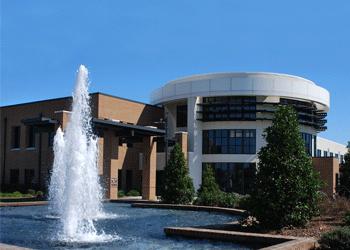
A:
<point x="132" y="47"/>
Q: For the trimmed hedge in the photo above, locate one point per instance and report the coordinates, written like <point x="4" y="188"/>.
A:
<point x="337" y="239"/>
<point x="133" y="192"/>
<point x="347" y="218"/>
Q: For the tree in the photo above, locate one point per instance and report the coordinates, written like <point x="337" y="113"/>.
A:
<point x="344" y="180"/>
<point x="177" y="186"/>
<point x="209" y="193"/>
<point x="286" y="190"/>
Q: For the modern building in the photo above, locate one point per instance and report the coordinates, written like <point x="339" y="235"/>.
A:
<point x="225" y="115"/>
<point x="218" y="119"/>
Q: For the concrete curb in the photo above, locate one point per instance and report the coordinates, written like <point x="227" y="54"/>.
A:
<point x="12" y="247"/>
<point x="233" y="211"/>
<point x="23" y="204"/>
<point x="267" y="241"/>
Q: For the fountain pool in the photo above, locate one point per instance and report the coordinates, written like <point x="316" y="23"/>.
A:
<point x="132" y="228"/>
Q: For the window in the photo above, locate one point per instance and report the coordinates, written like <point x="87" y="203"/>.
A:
<point x="337" y="156"/>
<point x="308" y="142"/>
<point x="29" y="178"/>
<point x="30" y="137"/>
<point x="229" y="108"/>
<point x="14" y="176"/>
<point x="331" y="154"/>
<point x="319" y="152"/>
<point x="234" y="177"/>
<point x="120" y="179"/>
<point x="229" y="141"/>
<point x="181" y="116"/>
<point x="341" y="158"/>
<point x="15" y="137"/>
<point x="50" y="137"/>
<point x="325" y="154"/>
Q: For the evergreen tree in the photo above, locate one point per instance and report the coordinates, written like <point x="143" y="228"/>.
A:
<point x="209" y="193"/>
<point x="177" y="186"/>
<point x="344" y="182"/>
<point x="286" y="189"/>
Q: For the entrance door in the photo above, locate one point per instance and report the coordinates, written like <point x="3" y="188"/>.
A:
<point x="128" y="180"/>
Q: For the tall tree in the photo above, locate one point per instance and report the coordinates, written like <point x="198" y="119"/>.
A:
<point x="286" y="189"/>
<point x="344" y="180"/>
<point x="177" y="186"/>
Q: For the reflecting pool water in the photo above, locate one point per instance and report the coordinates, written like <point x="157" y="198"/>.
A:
<point x="131" y="228"/>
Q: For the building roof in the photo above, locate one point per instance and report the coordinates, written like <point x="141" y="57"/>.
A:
<point x="69" y="97"/>
<point x="242" y="84"/>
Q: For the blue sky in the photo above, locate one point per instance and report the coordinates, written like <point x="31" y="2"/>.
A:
<point x="132" y="47"/>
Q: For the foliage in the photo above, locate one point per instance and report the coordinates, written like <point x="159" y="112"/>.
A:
<point x="337" y="239"/>
<point x="177" y="187"/>
<point x="121" y="193"/>
<point x="209" y="194"/>
<point x="344" y="180"/>
<point x="286" y="189"/>
<point x="347" y="218"/>
<point x="40" y="193"/>
<point x="133" y="192"/>
<point x="31" y="191"/>
<point x="244" y="202"/>
<point x="15" y="194"/>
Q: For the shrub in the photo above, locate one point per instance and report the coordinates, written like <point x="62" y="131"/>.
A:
<point x="286" y="188"/>
<point x="121" y="193"/>
<point x="39" y="194"/>
<point x="17" y="194"/>
<point x="31" y="191"/>
<point x="244" y="202"/>
<point x="344" y="180"/>
<point x="133" y="192"/>
<point x="209" y="193"/>
<point x="177" y="186"/>
<point x="347" y="218"/>
<point x="337" y="239"/>
<point x="228" y="200"/>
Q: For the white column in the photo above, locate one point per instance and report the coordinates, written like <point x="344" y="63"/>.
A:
<point x="194" y="128"/>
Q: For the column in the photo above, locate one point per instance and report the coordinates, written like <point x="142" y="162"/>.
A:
<point x="149" y="169"/>
<point x="194" y="129"/>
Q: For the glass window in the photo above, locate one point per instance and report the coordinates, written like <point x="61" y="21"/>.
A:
<point x="181" y="116"/>
<point x="325" y="153"/>
<point x="331" y="154"/>
<point x="15" y="136"/>
<point x="50" y="138"/>
<point x="30" y="136"/>
<point x="14" y="176"/>
<point x="229" y="141"/>
<point x="234" y="177"/>
<point x="29" y="178"/>
<point x="337" y="156"/>
<point x="319" y="152"/>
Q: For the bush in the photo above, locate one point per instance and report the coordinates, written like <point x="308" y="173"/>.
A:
<point x="347" y="218"/>
<point x="39" y="194"/>
<point x="337" y="239"/>
<point x="121" y="193"/>
<point x="17" y="194"/>
<point x="344" y="180"/>
<point x="133" y="192"/>
<point x="244" y="202"/>
<point x="209" y="193"/>
<point x="31" y="191"/>
<point x="228" y="200"/>
<point x="177" y="186"/>
<point x="286" y="188"/>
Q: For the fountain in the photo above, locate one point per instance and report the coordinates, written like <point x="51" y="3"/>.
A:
<point x="75" y="192"/>
<point x="76" y="214"/>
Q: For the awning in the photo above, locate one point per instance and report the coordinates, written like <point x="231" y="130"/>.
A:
<point x="126" y="129"/>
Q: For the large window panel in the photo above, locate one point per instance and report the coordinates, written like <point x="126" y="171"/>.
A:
<point x="229" y="141"/>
